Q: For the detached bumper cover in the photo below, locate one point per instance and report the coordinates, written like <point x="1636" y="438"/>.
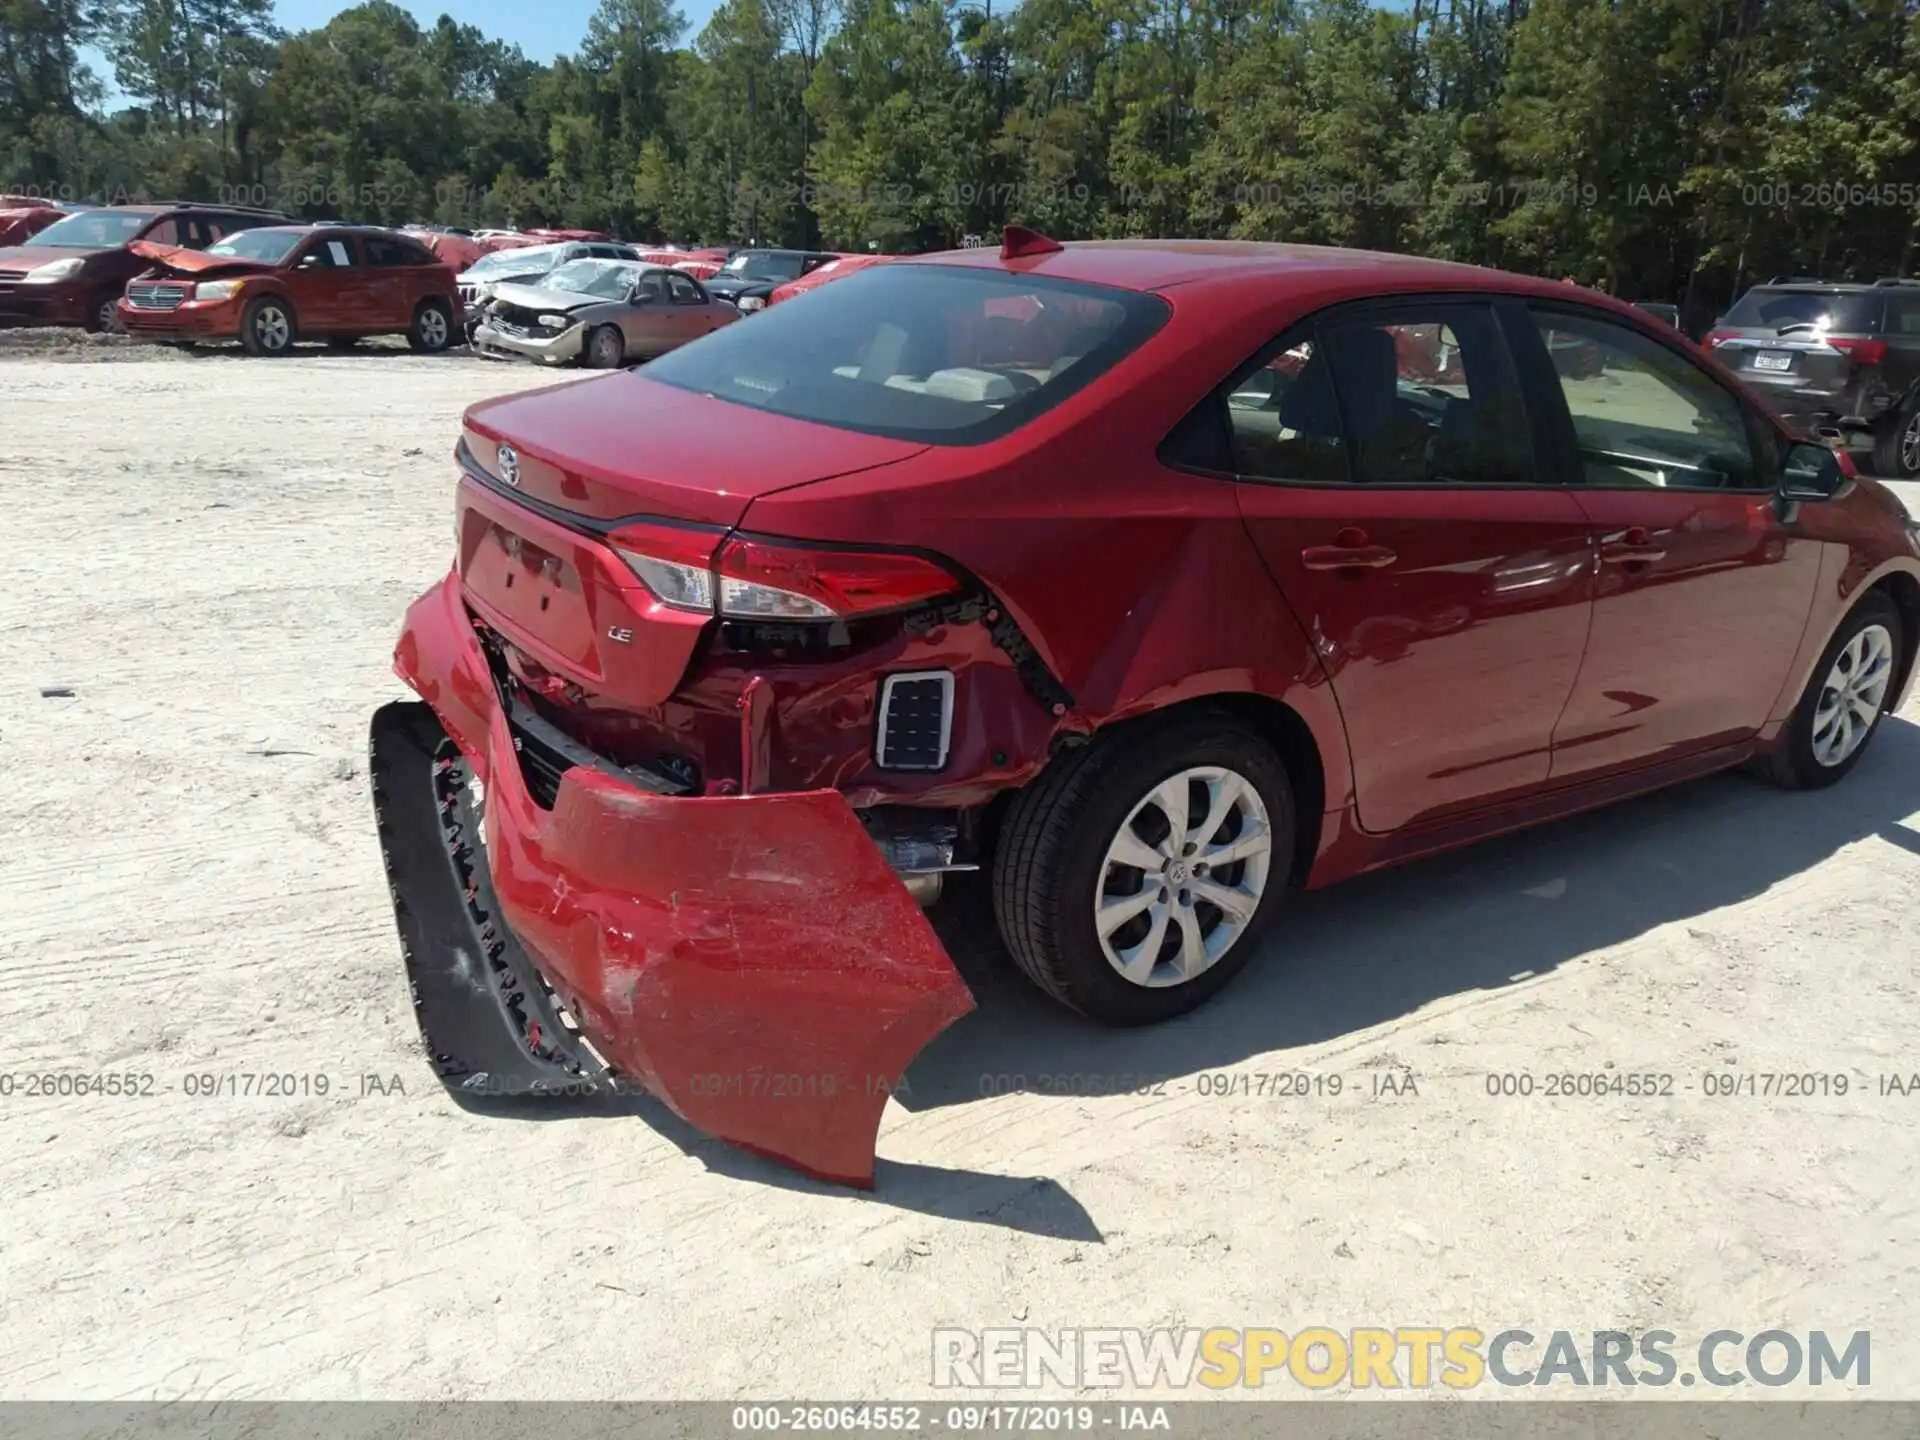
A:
<point x="752" y="961"/>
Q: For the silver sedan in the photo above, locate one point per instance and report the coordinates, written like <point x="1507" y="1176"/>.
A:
<point x="603" y="313"/>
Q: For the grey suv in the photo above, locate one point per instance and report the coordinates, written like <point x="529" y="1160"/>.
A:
<point x="1839" y="360"/>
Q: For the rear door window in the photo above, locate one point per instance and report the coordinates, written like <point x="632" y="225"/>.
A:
<point x="944" y="354"/>
<point x="387" y="252"/>
<point x="164" y="232"/>
<point x="1406" y="395"/>
<point x="684" y="290"/>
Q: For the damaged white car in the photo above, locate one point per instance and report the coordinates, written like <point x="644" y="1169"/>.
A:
<point x="601" y="313"/>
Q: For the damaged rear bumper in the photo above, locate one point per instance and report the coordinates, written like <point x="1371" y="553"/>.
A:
<point x="752" y="961"/>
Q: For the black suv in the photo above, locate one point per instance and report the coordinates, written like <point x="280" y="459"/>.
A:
<point x="750" y="276"/>
<point x="1839" y="360"/>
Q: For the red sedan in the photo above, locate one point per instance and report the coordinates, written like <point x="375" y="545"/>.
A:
<point x="1033" y="560"/>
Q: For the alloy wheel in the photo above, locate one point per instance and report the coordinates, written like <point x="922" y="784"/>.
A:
<point x="1851" y="697"/>
<point x="1183" y="877"/>
<point x="271" y="329"/>
<point x="1910" y="445"/>
<point x="107" y="317"/>
<point x="433" y="329"/>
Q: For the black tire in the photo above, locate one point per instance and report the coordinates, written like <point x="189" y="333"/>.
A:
<point x="102" y="316"/>
<point x="1896" y="444"/>
<point x="606" y="348"/>
<point x="1793" y="763"/>
<point x="261" y="333"/>
<point x="432" y="329"/>
<point x="1053" y="843"/>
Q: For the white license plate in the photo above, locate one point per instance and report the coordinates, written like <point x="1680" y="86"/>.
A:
<point x="1773" y="360"/>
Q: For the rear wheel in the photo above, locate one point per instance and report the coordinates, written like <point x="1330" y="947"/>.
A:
<point x="606" y="348"/>
<point x="432" y="328"/>
<point x="1896" y="446"/>
<point x="1134" y="879"/>
<point x="266" y="327"/>
<point x="1844" y="700"/>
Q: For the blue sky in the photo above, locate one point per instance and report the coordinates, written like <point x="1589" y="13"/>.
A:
<point x="542" y="28"/>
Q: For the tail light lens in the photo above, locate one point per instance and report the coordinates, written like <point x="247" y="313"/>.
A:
<point x="675" y="564"/>
<point x="1713" y="338"/>
<point x="771" y="580"/>
<point x="760" y="580"/>
<point x="1866" y="352"/>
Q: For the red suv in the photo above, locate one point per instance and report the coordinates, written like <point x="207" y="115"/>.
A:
<point x="73" y="272"/>
<point x="1033" y="560"/>
<point x="272" y="286"/>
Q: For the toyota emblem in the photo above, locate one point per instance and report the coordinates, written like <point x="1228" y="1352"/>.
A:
<point x="509" y="466"/>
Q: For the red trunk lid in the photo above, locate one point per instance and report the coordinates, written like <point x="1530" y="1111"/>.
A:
<point x="624" y="445"/>
<point x="608" y="449"/>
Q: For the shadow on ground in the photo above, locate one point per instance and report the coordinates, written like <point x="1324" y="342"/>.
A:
<point x="1348" y="958"/>
<point x="1478" y="919"/>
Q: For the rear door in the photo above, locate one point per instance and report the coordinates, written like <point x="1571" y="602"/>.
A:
<point x="1703" y="592"/>
<point x="1390" y="472"/>
<point x="650" y="321"/>
<point x="392" y="276"/>
<point x="693" y="315"/>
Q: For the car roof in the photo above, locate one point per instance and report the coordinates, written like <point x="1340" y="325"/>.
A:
<point x="1163" y="264"/>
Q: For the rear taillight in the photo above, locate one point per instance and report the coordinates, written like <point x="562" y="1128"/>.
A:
<point x="1713" y="338"/>
<point x="675" y="563"/>
<point x="762" y="580"/>
<point x="1865" y="352"/>
<point x="775" y="580"/>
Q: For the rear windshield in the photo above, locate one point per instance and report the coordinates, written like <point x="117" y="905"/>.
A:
<point x="940" y="354"/>
<point x="527" y="260"/>
<point x="766" y="265"/>
<point x="274" y="245"/>
<point x="607" y="279"/>
<point x="1764" y="307"/>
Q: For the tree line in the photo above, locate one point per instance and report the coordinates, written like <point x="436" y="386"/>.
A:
<point x="1664" y="149"/>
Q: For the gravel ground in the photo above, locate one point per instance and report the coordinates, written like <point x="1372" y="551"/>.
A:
<point x="209" y="560"/>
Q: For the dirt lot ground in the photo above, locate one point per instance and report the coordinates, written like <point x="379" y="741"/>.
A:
<point x="212" y="555"/>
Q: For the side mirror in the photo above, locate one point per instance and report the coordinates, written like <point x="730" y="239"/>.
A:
<point x="1811" y="472"/>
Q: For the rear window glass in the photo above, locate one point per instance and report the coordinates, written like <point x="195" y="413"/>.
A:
<point x="1821" y="309"/>
<point x="527" y="260"/>
<point x="940" y="354"/>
